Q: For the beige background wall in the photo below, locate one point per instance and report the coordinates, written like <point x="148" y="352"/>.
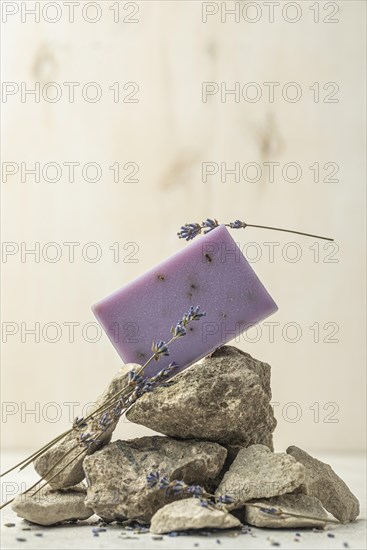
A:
<point x="319" y="385"/>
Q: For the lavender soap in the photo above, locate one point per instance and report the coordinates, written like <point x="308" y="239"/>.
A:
<point x="211" y="272"/>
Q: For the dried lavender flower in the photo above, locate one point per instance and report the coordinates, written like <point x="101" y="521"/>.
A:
<point x="164" y="483"/>
<point x="195" y="314"/>
<point x="195" y="490"/>
<point x="189" y="231"/>
<point x="79" y="423"/>
<point x="152" y="479"/>
<point x="87" y="439"/>
<point x="237" y="224"/>
<point x="209" y="225"/>
<point x="105" y="421"/>
<point x="159" y="349"/>
<point x="271" y="511"/>
<point x="224" y="499"/>
<point x="162" y="374"/>
<point x="134" y="377"/>
<point x="179" y="330"/>
<point x="178" y="487"/>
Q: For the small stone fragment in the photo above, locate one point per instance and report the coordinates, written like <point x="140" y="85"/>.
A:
<point x="258" y="473"/>
<point x="302" y="505"/>
<point x="74" y="473"/>
<point x="116" y="475"/>
<point x="9" y="524"/>
<point x="183" y="515"/>
<point x="322" y="482"/>
<point x="226" y="399"/>
<point x="50" y="506"/>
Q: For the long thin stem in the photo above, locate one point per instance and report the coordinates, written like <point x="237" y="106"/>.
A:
<point x="157" y="351"/>
<point x="25" y="462"/>
<point x="34" y="455"/>
<point x="47" y="473"/>
<point x="118" y="394"/>
<point x="106" y="405"/>
<point x="75" y="446"/>
<point x="289" y="231"/>
<point x="59" y="471"/>
<point x="40" y="452"/>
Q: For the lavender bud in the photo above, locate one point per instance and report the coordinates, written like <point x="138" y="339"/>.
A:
<point x="159" y="349"/>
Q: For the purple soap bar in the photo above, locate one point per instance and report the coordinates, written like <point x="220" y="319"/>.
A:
<point x="210" y="272"/>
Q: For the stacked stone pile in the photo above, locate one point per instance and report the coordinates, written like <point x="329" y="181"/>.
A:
<point x="217" y="428"/>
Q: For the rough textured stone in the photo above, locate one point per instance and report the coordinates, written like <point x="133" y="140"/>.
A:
<point x="225" y="399"/>
<point x="116" y="475"/>
<point x="74" y="473"/>
<point x="258" y="473"/>
<point x="322" y="482"/>
<point x="302" y="505"/>
<point x="188" y="514"/>
<point x="50" y="506"/>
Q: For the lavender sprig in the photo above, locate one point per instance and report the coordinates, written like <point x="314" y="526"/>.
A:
<point x="190" y="230"/>
<point x="111" y="410"/>
<point x="272" y="511"/>
<point x="159" y="349"/>
<point x="142" y="386"/>
<point x="179" y="487"/>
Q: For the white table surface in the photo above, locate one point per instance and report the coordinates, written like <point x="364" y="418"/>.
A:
<point x="351" y="468"/>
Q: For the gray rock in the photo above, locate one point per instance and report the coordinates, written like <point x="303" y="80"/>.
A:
<point x="188" y="514"/>
<point x="50" y="506"/>
<point x="322" y="482"/>
<point x="116" y="475"/>
<point x="298" y="504"/>
<point x="225" y="399"/>
<point x="68" y="449"/>
<point x="258" y="473"/>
